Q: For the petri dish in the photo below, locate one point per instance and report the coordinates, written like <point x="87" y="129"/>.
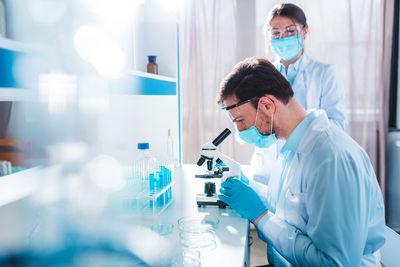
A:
<point x="162" y="229"/>
<point x="198" y="223"/>
<point x="188" y="258"/>
<point x="200" y="241"/>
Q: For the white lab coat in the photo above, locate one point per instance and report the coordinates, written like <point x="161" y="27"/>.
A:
<point x="330" y="207"/>
<point x="316" y="86"/>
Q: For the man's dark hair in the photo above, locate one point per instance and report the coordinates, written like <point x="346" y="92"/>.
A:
<point x="255" y="77"/>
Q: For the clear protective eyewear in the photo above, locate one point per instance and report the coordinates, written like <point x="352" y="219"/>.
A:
<point x="234" y="115"/>
<point x="238" y="104"/>
<point x="291" y="30"/>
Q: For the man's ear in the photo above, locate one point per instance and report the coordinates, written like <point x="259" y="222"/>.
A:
<point x="268" y="103"/>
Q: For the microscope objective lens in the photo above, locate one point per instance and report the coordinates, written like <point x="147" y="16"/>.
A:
<point x="209" y="165"/>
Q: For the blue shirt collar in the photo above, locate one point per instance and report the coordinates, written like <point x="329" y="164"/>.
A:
<point x="292" y="143"/>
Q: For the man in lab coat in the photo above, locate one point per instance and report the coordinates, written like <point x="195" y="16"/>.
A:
<point x="328" y="208"/>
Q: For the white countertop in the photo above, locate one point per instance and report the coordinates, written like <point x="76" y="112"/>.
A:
<point x="231" y="234"/>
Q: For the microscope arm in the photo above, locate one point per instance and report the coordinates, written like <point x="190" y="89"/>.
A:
<point x="234" y="166"/>
<point x="209" y="152"/>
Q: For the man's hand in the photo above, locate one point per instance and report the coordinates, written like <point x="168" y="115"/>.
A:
<point x="243" y="178"/>
<point x="242" y="198"/>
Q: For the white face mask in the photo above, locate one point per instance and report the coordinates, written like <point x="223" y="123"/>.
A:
<point x="287" y="48"/>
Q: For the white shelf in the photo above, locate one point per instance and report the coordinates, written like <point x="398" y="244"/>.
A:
<point x="159" y="39"/>
<point x="13" y="49"/>
<point x="18" y="185"/>
<point x="15" y="45"/>
<point x="152" y="76"/>
<point x="15" y="94"/>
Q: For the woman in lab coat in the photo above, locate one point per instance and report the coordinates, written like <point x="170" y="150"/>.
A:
<point x="316" y="85"/>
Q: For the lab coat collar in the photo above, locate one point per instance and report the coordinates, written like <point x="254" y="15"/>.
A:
<point x="295" y="66"/>
<point x="315" y="128"/>
<point x="297" y="134"/>
<point x="304" y="64"/>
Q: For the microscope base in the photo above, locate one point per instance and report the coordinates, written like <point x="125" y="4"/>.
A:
<point x="204" y="200"/>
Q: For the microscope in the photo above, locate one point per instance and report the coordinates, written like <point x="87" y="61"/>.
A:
<point x="218" y="166"/>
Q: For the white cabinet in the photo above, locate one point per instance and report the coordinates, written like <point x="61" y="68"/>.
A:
<point x="143" y="106"/>
<point x="11" y="52"/>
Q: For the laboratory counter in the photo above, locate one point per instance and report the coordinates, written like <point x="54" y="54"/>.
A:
<point x="232" y="233"/>
<point x="20" y="223"/>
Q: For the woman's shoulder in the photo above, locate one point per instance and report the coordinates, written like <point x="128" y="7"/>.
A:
<point x="315" y="65"/>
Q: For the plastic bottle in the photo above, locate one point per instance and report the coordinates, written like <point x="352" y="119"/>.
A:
<point x="152" y="66"/>
<point x="146" y="168"/>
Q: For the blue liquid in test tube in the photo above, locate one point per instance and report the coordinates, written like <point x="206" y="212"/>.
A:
<point x="151" y="183"/>
<point x="160" y="186"/>
<point x="151" y="187"/>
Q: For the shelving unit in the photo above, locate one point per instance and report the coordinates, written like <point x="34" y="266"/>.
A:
<point x="145" y="106"/>
<point x="16" y="46"/>
<point x="10" y="88"/>
<point x="152" y="76"/>
<point x="15" y="94"/>
<point x="18" y="185"/>
<point x="143" y="83"/>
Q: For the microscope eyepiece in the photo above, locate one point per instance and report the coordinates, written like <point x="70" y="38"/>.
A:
<point x="221" y="137"/>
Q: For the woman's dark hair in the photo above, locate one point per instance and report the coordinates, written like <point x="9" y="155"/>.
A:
<point x="255" y="77"/>
<point x="290" y="11"/>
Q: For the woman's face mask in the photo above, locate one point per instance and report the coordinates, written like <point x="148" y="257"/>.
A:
<point x="253" y="137"/>
<point x="287" y="48"/>
<point x="285" y="35"/>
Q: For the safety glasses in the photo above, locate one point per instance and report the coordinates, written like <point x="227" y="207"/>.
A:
<point x="234" y="114"/>
<point x="291" y="30"/>
<point x="238" y="104"/>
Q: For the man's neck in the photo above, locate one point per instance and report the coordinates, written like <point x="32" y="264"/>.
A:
<point x="293" y="115"/>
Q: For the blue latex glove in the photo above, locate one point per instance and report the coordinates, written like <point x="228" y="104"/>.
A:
<point x="243" y="178"/>
<point x="242" y="198"/>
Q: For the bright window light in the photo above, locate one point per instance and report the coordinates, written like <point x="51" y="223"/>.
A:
<point x="95" y="47"/>
<point x="57" y="90"/>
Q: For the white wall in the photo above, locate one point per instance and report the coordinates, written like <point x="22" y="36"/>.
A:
<point x="139" y="118"/>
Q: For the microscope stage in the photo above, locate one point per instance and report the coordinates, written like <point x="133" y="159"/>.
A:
<point x="204" y="200"/>
<point x="208" y="175"/>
